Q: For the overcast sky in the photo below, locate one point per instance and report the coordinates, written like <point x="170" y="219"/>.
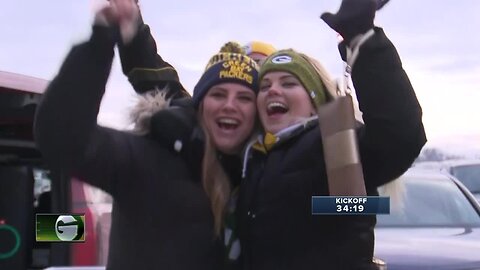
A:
<point x="437" y="41"/>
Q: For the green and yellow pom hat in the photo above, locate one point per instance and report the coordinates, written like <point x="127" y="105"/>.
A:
<point x="313" y="78"/>
<point x="231" y="64"/>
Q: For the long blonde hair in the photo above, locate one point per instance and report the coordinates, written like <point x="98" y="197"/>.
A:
<point x="215" y="181"/>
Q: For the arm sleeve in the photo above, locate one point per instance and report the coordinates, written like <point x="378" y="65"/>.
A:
<point x="66" y="130"/>
<point x="145" y="69"/>
<point x="393" y="134"/>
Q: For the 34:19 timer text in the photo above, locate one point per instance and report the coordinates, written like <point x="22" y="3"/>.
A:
<point x="350" y="208"/>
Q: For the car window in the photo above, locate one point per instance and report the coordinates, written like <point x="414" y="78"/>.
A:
<point x="430" y="202"/>
<point x="469" y="175"/>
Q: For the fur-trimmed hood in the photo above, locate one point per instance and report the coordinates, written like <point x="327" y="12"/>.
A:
<point x="147" y="105"/>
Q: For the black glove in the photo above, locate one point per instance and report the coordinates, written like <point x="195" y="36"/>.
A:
<point x="354" y="17"/>
<point x="381" y="3"/>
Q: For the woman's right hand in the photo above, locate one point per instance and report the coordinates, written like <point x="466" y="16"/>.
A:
<point x="124" y="13"/>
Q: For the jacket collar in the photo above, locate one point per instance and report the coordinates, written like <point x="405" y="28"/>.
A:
<point x="265" y="143"/>
<point x="268" y="141"/>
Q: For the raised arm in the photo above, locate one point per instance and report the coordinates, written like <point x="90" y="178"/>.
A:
<point x="393" y="134"/>
<point x="66" y="129"/>
<point x="66" y="120"/>
<point x="145" y="69"/>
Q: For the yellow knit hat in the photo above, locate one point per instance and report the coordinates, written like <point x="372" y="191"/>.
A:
<point x="259" y="47"/>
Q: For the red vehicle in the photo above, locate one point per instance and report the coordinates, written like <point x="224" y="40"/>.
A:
<point x="28" y="186"/>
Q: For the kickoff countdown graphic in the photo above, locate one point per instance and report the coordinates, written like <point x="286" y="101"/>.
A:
<point x="350" y="205"/>
<point x="60" y="228"/>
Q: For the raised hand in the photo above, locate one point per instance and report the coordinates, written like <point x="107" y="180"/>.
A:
<point x="354" y="17"/>
<point x="106" y="16"/>
<point x="122" y="13"/>
<point x="128" y="18"/>
<point x="381" y="3"/>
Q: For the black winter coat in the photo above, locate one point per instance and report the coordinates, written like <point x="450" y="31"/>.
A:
<point x="277" y="229"/>
<point x="161" y="216"/>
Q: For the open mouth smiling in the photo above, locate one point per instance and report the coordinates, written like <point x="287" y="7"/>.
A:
<point x="228" y="123"/>
<point x="276" y="108"/>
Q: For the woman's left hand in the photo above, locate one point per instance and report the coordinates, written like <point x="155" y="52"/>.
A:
<point x="127" y="14"/>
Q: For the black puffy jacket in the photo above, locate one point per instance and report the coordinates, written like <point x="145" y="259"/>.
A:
<point x="161" y="217"/>
<point x="277" y="229"/>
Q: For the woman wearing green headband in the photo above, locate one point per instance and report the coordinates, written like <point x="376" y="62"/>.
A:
<point x="286" y="166"/>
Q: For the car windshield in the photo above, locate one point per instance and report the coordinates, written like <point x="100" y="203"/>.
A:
<point x="469" y="175"/>
<point x="431" y="202"/>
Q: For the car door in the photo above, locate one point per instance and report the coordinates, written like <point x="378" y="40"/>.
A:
<point x="28" y="186"/>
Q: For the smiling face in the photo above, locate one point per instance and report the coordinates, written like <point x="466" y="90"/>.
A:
<point x="282" y="101"/>
<point x="228" y="113"/>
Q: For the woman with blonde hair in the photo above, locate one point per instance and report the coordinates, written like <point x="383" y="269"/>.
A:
<point x="286" y="166"/>
<point x="165" y="214"/>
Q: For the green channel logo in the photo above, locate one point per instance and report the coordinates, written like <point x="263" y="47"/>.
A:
<point x="60" y="228"/>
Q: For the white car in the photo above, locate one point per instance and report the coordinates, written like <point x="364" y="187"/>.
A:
<point x="438" y="226"/>
<point x="466" y="171"/>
